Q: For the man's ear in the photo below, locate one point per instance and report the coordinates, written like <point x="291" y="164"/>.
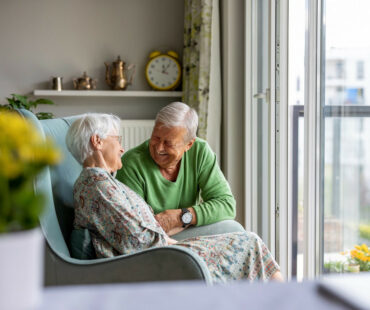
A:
<point x="96" y="142"/>
<point x="190" y="144"/>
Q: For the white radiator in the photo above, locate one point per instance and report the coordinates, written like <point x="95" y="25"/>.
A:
<point x="134" y="132"/>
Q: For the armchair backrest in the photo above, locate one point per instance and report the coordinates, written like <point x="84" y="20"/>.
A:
<point x="57" y="185"/>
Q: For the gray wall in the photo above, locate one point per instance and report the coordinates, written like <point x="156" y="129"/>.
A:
<point x="45" y="38"/>
<point x="233" y="137"/>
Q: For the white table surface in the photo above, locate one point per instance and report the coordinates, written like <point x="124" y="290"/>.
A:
<point x="191" y="295"/>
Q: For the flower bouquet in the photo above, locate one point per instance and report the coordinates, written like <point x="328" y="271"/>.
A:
<point x="358" y="258"/>
<point x="24" y="153"/>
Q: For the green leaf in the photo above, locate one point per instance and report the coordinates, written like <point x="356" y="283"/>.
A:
<point x="43" y="101"/>
<point x="20" y="102"/>
<point x="10" y="100"/>
<point x="44" y="115"/>
<point x="12" y="103"/>
<point x="22" y="99"/>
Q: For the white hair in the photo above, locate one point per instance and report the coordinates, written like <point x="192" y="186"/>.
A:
<point x="179" y="114"/>
<point x="82" y="129"/>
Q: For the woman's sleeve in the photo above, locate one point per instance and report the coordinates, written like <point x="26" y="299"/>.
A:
<point x="122" y="220"/>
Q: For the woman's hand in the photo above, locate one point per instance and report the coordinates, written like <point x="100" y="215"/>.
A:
<point x="175" y="231"/>
<point x="170" y="241"/>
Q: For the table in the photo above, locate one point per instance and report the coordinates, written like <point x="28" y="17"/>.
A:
<point x="192" y="295"/>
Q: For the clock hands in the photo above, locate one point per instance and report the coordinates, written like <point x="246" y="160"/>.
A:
<point x="164" y="69"/>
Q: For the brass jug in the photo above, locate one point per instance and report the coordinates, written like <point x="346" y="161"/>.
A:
<point x="118" y="79"/>
<point x="84" y="83"/>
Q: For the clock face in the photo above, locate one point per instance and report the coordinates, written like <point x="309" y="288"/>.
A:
<point x="163" y="72"/>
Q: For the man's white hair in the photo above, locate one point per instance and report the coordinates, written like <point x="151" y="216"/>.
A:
<point x="179" y="114"/>
<point x="82" y="129"/>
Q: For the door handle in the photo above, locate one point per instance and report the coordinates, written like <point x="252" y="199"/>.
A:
<point x="265" y="95"/>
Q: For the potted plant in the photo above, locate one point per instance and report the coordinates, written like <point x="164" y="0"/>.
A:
<point x="23" y="154"/>
<point x="22" y="102"/>
<point x="358" y="259"/>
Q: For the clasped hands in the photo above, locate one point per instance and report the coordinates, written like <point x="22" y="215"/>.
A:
<point x="170" y="220"/>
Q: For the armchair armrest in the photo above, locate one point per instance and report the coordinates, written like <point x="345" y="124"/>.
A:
<point x="155" y="264"/>
<point x="221" y="227"/>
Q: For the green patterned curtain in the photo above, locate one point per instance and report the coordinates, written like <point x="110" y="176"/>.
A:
<point x="197" y="59"/>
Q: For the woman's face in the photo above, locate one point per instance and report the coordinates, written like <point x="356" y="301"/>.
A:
<point x="112" y="151"/>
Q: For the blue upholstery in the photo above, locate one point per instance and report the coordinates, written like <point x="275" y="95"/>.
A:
<point x="158" y="264"/>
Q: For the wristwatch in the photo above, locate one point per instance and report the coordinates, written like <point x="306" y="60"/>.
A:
<point x="186" y="217"/>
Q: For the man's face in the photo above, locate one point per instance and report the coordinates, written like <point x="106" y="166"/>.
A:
<point x="167" y="145"/>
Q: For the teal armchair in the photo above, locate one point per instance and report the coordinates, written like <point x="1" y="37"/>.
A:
<point x="157" y="264"/>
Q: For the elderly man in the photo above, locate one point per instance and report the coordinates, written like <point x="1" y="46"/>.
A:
<point x="177" y="173"/>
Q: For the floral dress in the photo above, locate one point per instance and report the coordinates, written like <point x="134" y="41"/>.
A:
<point x="121" y="222"/>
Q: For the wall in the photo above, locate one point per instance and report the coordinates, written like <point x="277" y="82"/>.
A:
<point x="45" y="38"/>
<point x="233" y="137"/>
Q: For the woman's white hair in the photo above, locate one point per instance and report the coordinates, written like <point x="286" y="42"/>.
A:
<point x="82" y="129"/>
<point x="179" y="114"/>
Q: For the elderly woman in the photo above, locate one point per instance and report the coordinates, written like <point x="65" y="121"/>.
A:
<point x="121" y="222"/>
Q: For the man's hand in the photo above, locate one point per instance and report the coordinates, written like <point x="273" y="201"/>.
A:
<point x="169" y="219"/>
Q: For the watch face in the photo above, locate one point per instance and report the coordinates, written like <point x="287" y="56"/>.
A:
<point x="163" y="72"/>
<point x="186" y="218"/>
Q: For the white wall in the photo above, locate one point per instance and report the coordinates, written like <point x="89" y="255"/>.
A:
<point x="45" y="38"/>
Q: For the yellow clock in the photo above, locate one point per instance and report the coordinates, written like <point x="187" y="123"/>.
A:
<point x="163" y="71"/>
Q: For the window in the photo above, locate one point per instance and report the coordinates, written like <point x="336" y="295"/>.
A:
<point x="360" y="70"/>
<point x="339" y="67"/>
<point x="342" y="166"/>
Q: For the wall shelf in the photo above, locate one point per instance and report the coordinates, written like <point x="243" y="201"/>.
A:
<point x="107" y="93"/>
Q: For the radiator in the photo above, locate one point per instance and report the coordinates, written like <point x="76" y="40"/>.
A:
<point x="134" y="132"/>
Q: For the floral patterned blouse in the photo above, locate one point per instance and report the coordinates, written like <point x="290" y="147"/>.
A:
<point x="121" y="222"/>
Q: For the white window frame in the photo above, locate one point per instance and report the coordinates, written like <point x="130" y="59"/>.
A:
<point x="251" y="139"/>
<point x="280" y="215"/>
<point x="252" y="99"/>
<point x="252" y="158"/>
<point x="312" y="219"/>
<point x="283" y="167"/>
<point x="311" y="204"/>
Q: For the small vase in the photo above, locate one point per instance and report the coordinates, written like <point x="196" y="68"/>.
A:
<point x="21" y="269"/>
<point x="353" y="268"/>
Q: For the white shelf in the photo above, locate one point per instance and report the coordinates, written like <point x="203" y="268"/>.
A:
<point x="106" y="93"/>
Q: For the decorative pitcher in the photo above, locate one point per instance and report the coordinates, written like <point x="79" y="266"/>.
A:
<point x="118" y="79"/>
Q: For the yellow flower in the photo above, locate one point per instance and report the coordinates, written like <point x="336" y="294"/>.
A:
<point x="353" y="253"/>
<point x="364" y="248"/>
<point x="22" y="147"/>
<point x="361" y="256"/>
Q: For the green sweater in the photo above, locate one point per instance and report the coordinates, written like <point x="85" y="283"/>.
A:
<point x="199" y="175"/>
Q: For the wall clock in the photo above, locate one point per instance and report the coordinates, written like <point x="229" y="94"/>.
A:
<point x="163" y="71"/>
